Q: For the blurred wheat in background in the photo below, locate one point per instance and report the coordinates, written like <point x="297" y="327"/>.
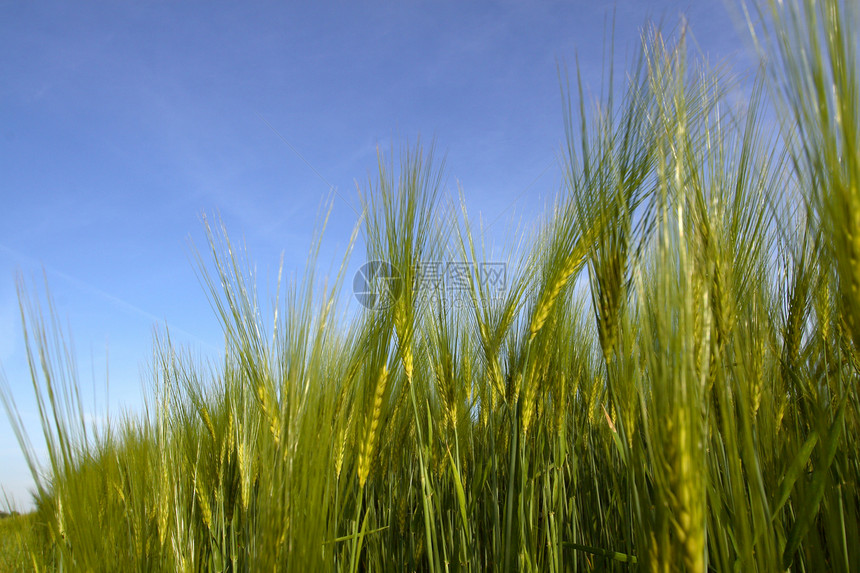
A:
<point x="668" y="382"/>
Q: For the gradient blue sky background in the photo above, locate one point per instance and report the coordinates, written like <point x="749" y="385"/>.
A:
<point x="121" y="123"/>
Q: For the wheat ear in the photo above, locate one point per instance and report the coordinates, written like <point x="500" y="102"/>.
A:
<point x="367" y="447"/>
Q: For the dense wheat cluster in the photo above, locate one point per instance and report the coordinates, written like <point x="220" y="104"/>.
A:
<point x="668" y="380"/>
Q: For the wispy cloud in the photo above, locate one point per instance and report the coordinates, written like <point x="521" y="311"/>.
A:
<point x="83" y="286"/>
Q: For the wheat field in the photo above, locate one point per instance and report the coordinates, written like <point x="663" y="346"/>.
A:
<point x="668" y="380"/>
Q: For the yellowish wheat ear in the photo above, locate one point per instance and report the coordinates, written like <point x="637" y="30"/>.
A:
<point x="367" y="448"/>
<point x="572" y="264"/>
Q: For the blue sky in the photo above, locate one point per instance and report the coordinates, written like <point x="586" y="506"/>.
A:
<point x="122" y="123"/>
